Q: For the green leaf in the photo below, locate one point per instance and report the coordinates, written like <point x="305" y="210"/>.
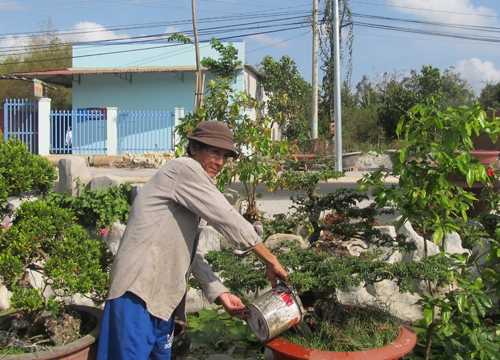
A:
<point x="428" y="315"/>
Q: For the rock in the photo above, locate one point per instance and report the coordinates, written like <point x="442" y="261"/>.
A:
<point x="274" y="241"/>
<point x="5" y="296"/>
<point x="63" y="330"/>
<point x="112" y="237"/>
<point x="73" y="175"/>
<point x="135" y="188"/>
<point x="102" y="182"/>
<point x="234" y="199"/>
<point x="412" y="236"/>
<point x="212" y="240"/>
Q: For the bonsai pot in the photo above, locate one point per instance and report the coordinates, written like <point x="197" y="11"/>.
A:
<point x="84" y="348"/>
<point x="403" y="344"/>
<point x="349" y="160"/>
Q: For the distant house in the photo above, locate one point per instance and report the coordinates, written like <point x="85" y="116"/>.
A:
<point x="137" y="77"/>
<point x="149" y="76"/>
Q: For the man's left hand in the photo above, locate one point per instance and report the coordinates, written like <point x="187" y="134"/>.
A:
<point x="234" y="306"/>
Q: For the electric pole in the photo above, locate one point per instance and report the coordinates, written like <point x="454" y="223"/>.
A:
<point x="198" y="91"/>
<point x="314" y="126"/>
<point x="336" y="84"/>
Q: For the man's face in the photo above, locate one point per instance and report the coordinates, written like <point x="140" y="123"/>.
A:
<point x="211" y="158"/>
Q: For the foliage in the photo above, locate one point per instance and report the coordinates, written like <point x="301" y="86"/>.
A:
<point x="427" y="87"/>
<point x="45" y="239"/>
<point x="22" y="172"/>
<point x="213" y="333"/>
<point x="353" y="329"/>
<point x="439" y="143"/>
<point x="43" y="243"/>
<point x="99" y="208"/>
<point x="289" y="96"/>
<point x="490" y="96"/>
<point x="225" y="66"/>
<point x="259" y="155"/>
<point x="44" y="51"/>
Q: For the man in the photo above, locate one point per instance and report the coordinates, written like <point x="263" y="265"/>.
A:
<point x="158" y="250"/>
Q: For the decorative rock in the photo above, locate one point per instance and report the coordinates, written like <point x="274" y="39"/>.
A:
<point x="112" y="237"/>
<point x="355" y="246"/>
<point x="211" y="240"/>
<point x="234" y="199"/>
<point x="5" y="296"/>
<point x="275" y="240"/>
<point x="453" y="244"/>
<point x="102" y="182"/>
<point x="412" y="236"/>
<point x="135" y="188"/>
<point x="195" y="301"/>
<point x="73" y="174"/>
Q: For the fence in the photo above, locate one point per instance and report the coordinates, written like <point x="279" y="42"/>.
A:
<point x="141" y="131"/>
<point x="21" y="121"/>
<point x="106" y="131"/>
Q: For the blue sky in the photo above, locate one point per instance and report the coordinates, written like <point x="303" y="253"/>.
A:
<point x="390" y="36"/>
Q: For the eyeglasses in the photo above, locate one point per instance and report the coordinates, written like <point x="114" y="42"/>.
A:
<point x="217" y="154"/>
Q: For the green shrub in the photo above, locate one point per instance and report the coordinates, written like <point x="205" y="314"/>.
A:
<point x="99" y="208"/>
<point x="45" y="239"/>
<point x="21" y="171"/>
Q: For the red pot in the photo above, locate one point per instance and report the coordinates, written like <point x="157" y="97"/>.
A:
<point x="84" y="348"/>
<point x="402" y="345"/>
<point x="485" y="157"/>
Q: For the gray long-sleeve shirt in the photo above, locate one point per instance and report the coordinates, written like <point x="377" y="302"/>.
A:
<point x="157" y="252"/>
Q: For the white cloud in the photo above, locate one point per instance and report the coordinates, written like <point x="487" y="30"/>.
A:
<point x="11" y="45"/>
<point x="169" y="30"/>
<point x="269" y="41"/>
<point x="478" y="73"/>
<point x="449" y="11"/>
<point x="86" y="31"/>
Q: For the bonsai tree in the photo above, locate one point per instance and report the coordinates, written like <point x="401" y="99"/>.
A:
<point x="45" y="256"/>
<point x="318" y="272"/>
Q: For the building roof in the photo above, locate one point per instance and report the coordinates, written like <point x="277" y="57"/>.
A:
<point x="66" y="77"/>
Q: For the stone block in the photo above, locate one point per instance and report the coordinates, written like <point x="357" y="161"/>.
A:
<point x="103" y="181"/>
<point x="74" y="175"/>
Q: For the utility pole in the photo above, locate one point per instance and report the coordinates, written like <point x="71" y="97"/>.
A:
<point x="336" y="101"/>
<point x="314" y="126"/>
<point x="198" y="91"/>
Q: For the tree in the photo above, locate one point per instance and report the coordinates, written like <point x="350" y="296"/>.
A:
<point x="490" y="96"/>
<point x="259" y="155"/>
<point x="428" y="86"/>
<point x="289" y="96"/>
<point x="43" y="51"/>
<point x="225" y="66"/>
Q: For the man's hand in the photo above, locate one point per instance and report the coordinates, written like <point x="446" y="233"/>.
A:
<point x="234" y="306"/>
<point x="274" y="269"/>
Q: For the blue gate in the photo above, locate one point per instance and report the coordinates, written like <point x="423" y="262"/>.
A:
<point x="21" y="121"/>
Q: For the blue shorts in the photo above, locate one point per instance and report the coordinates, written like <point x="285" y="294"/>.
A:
<point x="130" y="332"/>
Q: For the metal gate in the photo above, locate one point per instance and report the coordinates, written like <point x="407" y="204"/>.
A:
<point x="21" y="121"/>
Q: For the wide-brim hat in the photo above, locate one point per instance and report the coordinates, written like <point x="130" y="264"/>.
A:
<point x="215" y="133"/>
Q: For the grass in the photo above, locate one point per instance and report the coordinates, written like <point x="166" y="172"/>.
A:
<point x="356" y="330"/>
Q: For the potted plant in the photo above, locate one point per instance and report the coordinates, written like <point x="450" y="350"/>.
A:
<point x="46" y="258"/>
<point x="320" y="271"/>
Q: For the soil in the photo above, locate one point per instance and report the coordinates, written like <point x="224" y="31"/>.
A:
<point x="43" y="331"/>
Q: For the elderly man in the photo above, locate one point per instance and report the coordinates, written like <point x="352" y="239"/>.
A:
<point x="158" y="250"/>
